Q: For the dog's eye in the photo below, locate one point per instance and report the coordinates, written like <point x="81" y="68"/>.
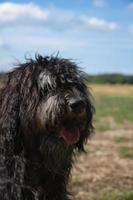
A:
<point x="49" y="91"/>
<point x="45" y="90"/>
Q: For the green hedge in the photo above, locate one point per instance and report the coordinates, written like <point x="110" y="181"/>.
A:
<point x="110" y="78"/>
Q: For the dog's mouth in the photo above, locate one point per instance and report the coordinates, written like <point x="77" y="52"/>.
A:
<point x="70" y="136"/>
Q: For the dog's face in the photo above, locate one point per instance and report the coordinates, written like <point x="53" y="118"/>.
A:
<point x="64" y="110"/>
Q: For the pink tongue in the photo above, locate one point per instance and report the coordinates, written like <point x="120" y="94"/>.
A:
<point x="70" y="136"/>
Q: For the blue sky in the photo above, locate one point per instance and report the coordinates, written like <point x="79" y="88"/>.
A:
<point x="97" y="34"/>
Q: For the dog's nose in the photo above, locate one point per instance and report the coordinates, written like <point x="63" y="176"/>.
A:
<point x="77" y="106"/>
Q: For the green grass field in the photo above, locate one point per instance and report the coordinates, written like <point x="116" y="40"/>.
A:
<point x="114" y="108"/>
<point x="125" y="196"/>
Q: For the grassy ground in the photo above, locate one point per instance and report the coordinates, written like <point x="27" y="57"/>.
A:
<point x="105" y="172"/>
<point x="114" y="106"/>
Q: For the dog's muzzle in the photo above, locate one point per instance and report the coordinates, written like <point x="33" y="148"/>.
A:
<point x="70" y="131"/>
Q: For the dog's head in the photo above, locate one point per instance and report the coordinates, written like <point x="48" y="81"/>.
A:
<point x="64" y="110"/>
<point x="54" y="101"/>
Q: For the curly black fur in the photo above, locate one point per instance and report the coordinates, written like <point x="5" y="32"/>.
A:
<point x="35" y="162"/>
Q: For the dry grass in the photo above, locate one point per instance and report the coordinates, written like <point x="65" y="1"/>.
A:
<point x="103" y="171"/>
<point x="112" y="89"/>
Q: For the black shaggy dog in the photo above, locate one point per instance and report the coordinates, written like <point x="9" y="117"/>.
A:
<point x="45" y="114"/>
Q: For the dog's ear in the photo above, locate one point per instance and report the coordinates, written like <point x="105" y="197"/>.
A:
<point x="9" y="108"/>
<point x="9" y="122"/>
<point x="11" y="169"/>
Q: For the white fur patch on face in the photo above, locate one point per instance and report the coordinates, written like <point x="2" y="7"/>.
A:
<point x="46" y="80"/>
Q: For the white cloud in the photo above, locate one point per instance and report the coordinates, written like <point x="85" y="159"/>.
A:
<point x="32" y="14"/>
<point x="99" y="3"/>
<point x="11" y="12"/>
<point x="51" y="18"/>
<point x="100" y="24"/>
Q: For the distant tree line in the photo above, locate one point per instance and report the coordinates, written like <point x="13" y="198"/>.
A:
<point x="110" y="78"/>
